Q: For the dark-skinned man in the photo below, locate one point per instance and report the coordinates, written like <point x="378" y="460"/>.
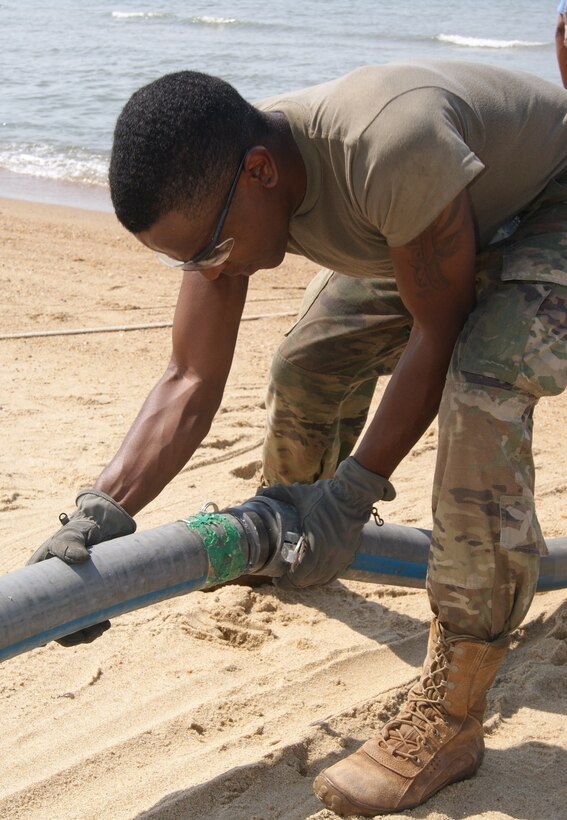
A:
<point x="433" y="195"/>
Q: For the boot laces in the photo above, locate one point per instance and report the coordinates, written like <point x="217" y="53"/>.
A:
<point x="415" y="727"/>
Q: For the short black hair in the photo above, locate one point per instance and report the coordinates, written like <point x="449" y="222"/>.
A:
<point x="177" y="142"/>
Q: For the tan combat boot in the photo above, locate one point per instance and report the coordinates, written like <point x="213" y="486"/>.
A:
<point x="436" y="739"/>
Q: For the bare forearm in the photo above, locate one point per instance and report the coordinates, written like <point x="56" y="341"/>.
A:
<point x="408" y="407"/>
<point x="173" y="421"/>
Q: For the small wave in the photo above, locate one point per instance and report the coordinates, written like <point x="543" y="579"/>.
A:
<point x="235" y="22"/>
<point x="480" y="42"/>
<point x="205" y="20"/>
<point x="61" y="164"/>
<point x="129" y="15"/>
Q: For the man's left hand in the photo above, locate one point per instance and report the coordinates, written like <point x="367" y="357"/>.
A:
<point x="332" y="513"/>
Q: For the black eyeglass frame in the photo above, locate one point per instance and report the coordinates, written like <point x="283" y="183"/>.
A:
<point x="210" y="257"/>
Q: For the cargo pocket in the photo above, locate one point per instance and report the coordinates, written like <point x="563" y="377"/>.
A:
<point x="541" y="258"/>
<point x="312" y="293"/>
<point x="519" y="527"/>
<point x="538" y="250"/>
<point x="492" y="344"/>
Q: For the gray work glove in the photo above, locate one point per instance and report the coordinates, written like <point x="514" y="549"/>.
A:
<point x="97" y="518"/>
<point x="332" y="513"/>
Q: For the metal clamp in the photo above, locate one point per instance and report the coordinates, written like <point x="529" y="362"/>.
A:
<point x="292" y="548"/>
<point x="209" y="506"/>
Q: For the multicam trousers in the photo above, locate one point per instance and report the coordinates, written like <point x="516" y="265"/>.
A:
<point x="486" y="540"/>
<point x="350" y="332"/>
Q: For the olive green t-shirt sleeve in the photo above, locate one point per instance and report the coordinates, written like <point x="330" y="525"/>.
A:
<point x="411" y="162"/>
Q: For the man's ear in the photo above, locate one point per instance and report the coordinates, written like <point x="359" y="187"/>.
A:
<point x="261" y="167"/>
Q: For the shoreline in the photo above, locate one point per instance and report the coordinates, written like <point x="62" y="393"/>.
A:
<point x="27" y="188"/>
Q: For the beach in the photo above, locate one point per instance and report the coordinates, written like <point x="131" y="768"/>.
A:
<point x="219" y="705"/>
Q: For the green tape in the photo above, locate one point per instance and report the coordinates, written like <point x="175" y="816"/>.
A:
<point x="222" y="542"/>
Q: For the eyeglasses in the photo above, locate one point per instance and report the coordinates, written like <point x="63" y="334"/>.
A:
<point x="212" y="254"/>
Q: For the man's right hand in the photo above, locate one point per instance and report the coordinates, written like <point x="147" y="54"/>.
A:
<point x="97" y="518"/>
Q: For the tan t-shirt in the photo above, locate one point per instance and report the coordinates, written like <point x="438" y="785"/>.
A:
<point x="386" y="148"/>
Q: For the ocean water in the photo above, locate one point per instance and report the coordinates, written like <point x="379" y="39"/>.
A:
<point x="68" y="67"/>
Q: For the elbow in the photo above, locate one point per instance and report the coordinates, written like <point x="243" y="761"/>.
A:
<point x="438" y="340"/>
<point x="444" y="330"/>
<point x="202" y="393"/>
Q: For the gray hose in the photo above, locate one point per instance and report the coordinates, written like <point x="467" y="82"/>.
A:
<point x="45" y="601"/>
<point x="51" y="599"/>
<point x="394" y="554"/>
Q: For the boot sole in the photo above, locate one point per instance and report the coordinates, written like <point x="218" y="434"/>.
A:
<point x="338" y="802"/>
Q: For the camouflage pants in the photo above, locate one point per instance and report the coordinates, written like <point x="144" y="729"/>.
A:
<point x="350" y="332"/>
<point x="486" y="541"/>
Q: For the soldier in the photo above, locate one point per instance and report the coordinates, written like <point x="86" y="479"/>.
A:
<point x="432" y="194"/>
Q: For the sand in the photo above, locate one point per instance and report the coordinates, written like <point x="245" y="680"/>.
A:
<point x="220" y="705"/>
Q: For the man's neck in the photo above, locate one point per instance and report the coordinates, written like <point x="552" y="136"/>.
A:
<point x="289" y="159"/>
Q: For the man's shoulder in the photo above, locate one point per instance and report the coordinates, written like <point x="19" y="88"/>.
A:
<point x="344" y="107"/>
<point x="375" y="85"/>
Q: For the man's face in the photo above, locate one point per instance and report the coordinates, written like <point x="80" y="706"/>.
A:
<point x="256" y="220"/>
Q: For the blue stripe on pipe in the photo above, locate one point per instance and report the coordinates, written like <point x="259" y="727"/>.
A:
<point x="546" y="583"/>
<point x="101" y="615"/>
<point x="388" y="566"/>
<point x="378" y="565"/>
